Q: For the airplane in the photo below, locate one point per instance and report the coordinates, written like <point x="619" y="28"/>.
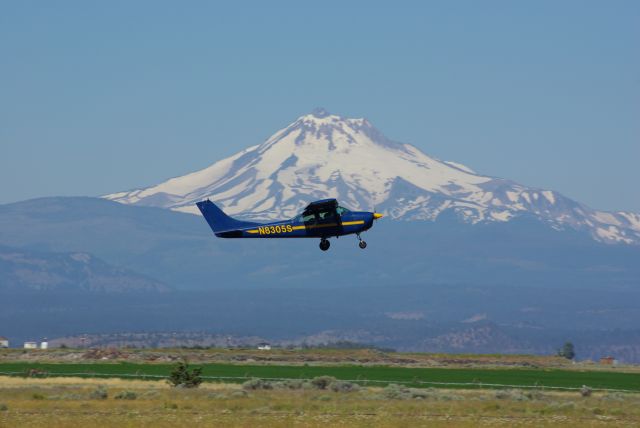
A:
<point x="320" y="219"/>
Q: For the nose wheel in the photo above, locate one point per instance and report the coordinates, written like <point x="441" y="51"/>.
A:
<point x="361" y="244"/>
<point x="324" y="244"/>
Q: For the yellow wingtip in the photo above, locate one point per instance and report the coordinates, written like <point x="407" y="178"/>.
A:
<point x="377" y="216"/>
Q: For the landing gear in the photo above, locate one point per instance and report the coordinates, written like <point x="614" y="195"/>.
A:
<point x="324" y="244"/>
<point x="361" y="244"/>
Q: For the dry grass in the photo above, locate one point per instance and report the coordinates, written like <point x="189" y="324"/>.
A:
<point x="66" y="402"/>
<point x="8" y="382"/>
<point x="288" y="356"/>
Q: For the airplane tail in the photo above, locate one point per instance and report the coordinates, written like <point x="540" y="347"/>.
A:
<point x="218" y="221"/>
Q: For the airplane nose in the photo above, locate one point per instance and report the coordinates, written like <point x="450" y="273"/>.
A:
<point x="377" y="216"/>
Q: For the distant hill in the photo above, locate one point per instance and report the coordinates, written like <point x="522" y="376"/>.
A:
<point x="24" y="270"/>
<point x="179" y="249"/>
<point x="517" y="286"/>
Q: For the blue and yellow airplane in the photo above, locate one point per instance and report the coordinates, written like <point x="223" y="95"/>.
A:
<point x="320" y="219"/>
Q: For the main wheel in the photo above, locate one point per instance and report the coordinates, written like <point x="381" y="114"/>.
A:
<point x="362" y="245"/>
<point x="324" y="245"/>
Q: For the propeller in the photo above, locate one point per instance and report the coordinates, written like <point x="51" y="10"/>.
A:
<point x="376" y="215"/>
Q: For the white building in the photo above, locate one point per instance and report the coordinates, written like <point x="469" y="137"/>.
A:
<point x="264" y="346"/>
<point x="44" y="344"/>
<point x="4" y="342"/>
<point x="30" y="345"/>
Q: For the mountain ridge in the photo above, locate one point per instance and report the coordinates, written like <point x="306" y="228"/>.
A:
<point x="24" y="269"/>
<point x="321" y="155"/>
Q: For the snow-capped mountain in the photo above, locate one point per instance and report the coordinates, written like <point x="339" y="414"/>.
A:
<point x="321" y="155"/>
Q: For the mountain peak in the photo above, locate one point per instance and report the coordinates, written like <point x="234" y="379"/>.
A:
<point x="320" y="112"/>
<point x="322" y="155"/>
<point x="321" y="116"/>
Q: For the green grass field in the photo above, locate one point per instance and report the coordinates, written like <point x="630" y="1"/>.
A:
<point x="365" y="375"/>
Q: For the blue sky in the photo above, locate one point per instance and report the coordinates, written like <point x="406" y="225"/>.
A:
<point x="97" y="97"/>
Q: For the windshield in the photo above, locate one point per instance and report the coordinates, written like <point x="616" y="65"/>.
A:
<point x="341" y="210"/>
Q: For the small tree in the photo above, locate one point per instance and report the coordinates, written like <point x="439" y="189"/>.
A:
<point x="567" y="351"/>
<point x="182" y="377"/>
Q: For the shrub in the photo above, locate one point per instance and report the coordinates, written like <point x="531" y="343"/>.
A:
<point x="126" y="395"/>
<point x="291" y="384"/>
<point x="100" y="393"/>
<point x="567" y="351"/>
<point x="217" y="396"/>
<point x="182" y="377"/>
<point x="396" y="392"/>
<point x="534" y="394"/>
<point x="3" y="407"/>
<point x="322" y="382"/>
<point x="343" y="386"/>
<point x="613" y="396"/>
<point x="38" y="396"/>
<point x="255" y="384"/>
<point x="511" y="394"/>
<point x="585" y="391"/>
<point x="443" y="396"/>
<point x="399" y="392"/>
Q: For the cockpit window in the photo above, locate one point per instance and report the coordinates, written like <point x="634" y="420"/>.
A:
<point x="341" y="210"/>
<point x="326" y="215"/>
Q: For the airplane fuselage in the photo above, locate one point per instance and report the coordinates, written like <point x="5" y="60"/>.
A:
<point x="348" y="223"/>
<point x="321" y="219"/>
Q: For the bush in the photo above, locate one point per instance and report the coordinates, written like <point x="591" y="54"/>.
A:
<point x="218" y="396"/>
<point x="343" y="386"/>
<point x="100" y="393"/>
<point x="534" y="394"/>
<point x="613" y="396"/>
<point x="126" y="395"/>
<point x="511" y="394"/>
<point x="396" y="392"/>
<point x="399" y="392"/>
<point x="567" y="351"/>
<point x="38" y="396"/>
<point x="322" y="382"/>
<point x="518" y="395"/>
<point x="255" y="384"/>
<point x="292" y="384"/>
<point x="182" y="377"/>
<point x="585" y="391"/>
<point x="3" y="407"/>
